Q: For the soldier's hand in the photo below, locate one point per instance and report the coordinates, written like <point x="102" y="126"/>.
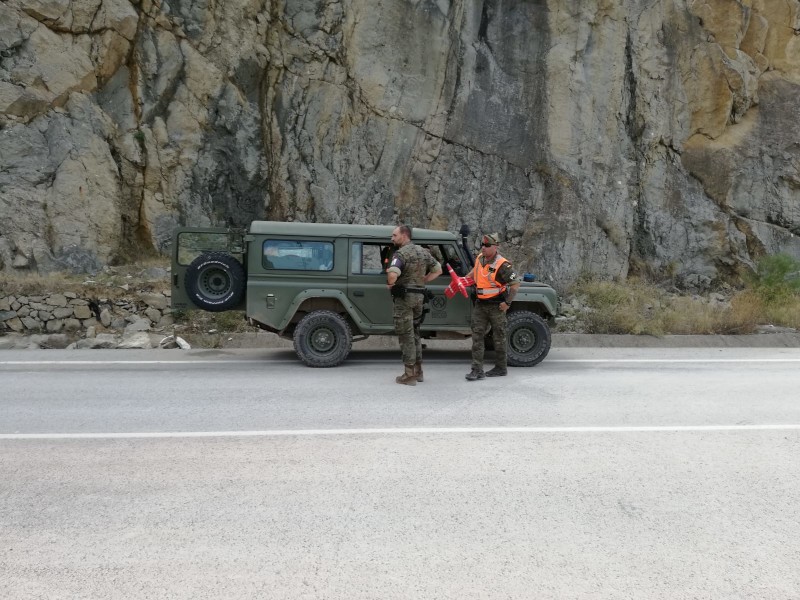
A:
<point x="504" y="307"/>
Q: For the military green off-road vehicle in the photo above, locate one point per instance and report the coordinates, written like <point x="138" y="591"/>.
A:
<point x="324" y="286"/>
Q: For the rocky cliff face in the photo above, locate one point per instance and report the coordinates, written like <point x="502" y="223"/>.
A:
<point x="603" y="136"/>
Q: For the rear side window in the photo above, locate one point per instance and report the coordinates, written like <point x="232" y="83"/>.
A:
<point x="192" y="244"/>
<point x="369" y="258"/>
<point x="295" y="255"/>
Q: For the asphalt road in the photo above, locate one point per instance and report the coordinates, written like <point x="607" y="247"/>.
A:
<point x="601" y="473"/>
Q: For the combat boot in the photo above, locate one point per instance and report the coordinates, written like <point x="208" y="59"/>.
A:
<point x="418" y="371"/>
<point x="497" y="372"/>
<point x="407" y="378"/>
<point x="475" y="374"/>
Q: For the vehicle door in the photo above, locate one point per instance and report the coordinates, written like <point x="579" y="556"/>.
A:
<point x="453" y="313"/>
<point x="366" y="283"/>
<point x="189" y="243"/>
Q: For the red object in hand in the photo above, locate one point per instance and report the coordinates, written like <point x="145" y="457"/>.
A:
<point x="458" y="284"/>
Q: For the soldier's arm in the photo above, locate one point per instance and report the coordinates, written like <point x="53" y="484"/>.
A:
<point x="511" y="291"/>
<point x="394" y="270"/>
<point x="508" y="277"/>
<point x="434" y="269"/>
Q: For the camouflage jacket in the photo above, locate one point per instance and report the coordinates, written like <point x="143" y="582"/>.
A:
<point x="412" y="263"/>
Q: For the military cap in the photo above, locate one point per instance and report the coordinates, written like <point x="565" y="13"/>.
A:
<point x="491" y="239"/>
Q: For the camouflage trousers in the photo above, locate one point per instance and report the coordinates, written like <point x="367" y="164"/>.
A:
<point x="405" y="311"/>
<point x="485" y="314"/>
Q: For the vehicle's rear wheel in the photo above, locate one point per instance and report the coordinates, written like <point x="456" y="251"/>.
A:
<point x="215" y="281"/>
<point x="528" y="339"/>
<point x="323" y="339"/>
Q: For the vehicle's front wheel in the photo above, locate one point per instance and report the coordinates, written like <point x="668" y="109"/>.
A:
<point x="528" y="339"/>
<point x="323" y="339"/>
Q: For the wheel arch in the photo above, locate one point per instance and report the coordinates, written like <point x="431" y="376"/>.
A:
<point x="312" y="300"/>
<point x="536" y="307"/>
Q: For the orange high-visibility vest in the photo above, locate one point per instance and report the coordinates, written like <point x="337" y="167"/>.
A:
<point x="485" y="283"/>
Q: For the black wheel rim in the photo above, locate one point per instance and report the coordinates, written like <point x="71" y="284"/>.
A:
<point x="322" y="339"/>
<point x="214" y="283"/>
<point x="523" y="340"/>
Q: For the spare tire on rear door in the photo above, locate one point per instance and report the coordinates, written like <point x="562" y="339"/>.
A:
<point x="215" y="281"/>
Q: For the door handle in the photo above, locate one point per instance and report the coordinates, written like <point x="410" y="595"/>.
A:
<point x="358" y="293"/>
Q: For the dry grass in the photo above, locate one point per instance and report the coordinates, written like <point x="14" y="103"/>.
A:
<point x="107" y="284"/>
<point x="686" y="315"/>
<point x="12" y="284"/>
<point x="784" y="314"/>
<point x="210" y="330"/>
<point x="199" y="321"/>
<point x="616" y="308"/>
<point x="636" y="307"/>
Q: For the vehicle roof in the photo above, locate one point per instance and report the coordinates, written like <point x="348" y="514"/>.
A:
<point x="337" y="230"/>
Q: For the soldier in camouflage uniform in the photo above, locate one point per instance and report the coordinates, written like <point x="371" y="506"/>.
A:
<point x="411" y="267"/>
<point x="496" y="285"/>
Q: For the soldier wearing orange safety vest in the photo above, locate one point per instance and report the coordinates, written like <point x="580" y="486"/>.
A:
<point x="496" y="285"/>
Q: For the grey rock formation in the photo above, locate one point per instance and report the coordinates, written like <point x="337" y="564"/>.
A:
<point x="611" y="137"/>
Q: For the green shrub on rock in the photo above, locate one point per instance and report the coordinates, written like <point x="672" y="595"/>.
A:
<point x="777" y="278"/>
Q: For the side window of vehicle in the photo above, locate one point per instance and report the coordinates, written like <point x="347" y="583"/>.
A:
<point x="296" y="255"/>
<point x="445" y="254"/>
<point x="437" y="251"/>
<point x="453" y="258"/>
<point x="369" y="258"/>
<point x="192" y="244"/>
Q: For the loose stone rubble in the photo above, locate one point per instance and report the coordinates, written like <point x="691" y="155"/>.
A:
<point x="63" y="320"/>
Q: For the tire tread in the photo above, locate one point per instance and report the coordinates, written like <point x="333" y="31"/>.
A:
<point x="343" y="344"/>
<point x="543" y="339"/>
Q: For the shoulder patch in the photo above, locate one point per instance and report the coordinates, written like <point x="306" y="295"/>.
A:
<point x="506" y="274"/>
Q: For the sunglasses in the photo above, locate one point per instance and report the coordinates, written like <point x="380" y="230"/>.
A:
<point x="486" y="245"/>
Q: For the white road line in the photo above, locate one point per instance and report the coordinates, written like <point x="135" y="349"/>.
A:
<point x="396" y="431"/>
<point x="29" y="363"/>
<point x="673" y="360"/>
